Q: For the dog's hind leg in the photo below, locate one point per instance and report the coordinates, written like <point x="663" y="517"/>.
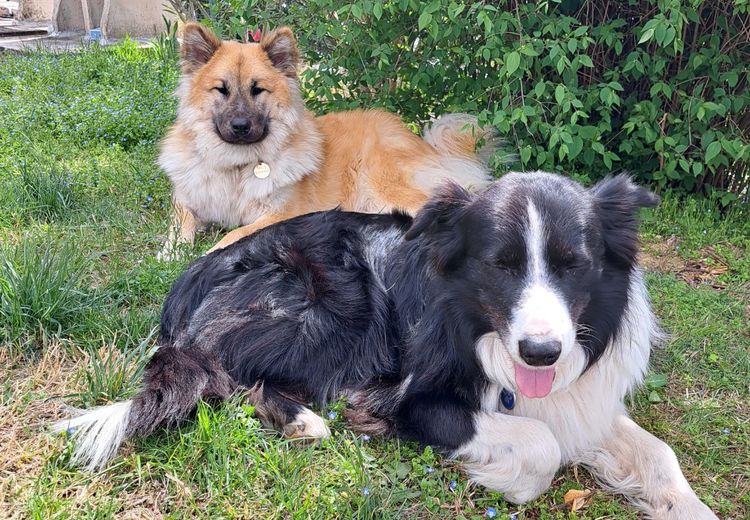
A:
<point x="634" y="463"/>
<point x="276" y="410"/>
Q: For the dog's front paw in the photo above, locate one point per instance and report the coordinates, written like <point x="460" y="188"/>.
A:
<point x="521" y="465"/>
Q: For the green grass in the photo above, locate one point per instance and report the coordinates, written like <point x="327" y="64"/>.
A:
<point x="43" y="290"/>
<point x="84" y="212"/>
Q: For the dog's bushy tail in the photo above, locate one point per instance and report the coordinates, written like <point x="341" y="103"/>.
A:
<point x="174" y="381"/>
<point x="459" y="135"/>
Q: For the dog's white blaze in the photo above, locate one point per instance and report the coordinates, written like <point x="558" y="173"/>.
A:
<point x="98" y="433"/>
<point x="535" y="244"/>
<point x="540" y="312"/>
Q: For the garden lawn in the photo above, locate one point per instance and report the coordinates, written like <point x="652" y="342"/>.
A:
<point x="83" y="212"/>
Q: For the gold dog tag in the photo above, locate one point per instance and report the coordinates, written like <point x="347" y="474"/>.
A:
<point x="262" y="170"/>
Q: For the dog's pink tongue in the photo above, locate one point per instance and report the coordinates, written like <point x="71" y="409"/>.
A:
<point x="534" y="383"/>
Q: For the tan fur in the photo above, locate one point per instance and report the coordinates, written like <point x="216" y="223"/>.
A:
<point x="362" y="160"/>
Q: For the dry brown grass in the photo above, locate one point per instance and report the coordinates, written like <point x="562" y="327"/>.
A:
<point x="34" y="400"/>
<point x="23" y="416"/>
<point x="703" y="271"/>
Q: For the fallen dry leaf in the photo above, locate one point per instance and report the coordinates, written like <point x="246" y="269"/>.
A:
<point x="577" y="499"/>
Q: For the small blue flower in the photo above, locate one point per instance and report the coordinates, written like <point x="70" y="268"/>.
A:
<point x="725" y="431"/>
<point x="332" y="415"/>
<point x="365" y="491"/>
<point x="429" y="469"/>
<point x="452" y="485"/>
<point x="491" y="512"/>
<point x="366" y="438"/>
<point x="513" y="516"/>
<point x="70" y="431"/>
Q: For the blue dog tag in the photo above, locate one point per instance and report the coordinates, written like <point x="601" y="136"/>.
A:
<point x="508" y="399"/>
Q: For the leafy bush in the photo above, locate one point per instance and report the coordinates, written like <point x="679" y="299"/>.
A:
<point x="657" y="87"/>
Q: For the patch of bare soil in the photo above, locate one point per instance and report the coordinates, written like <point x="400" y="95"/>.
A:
<point x="704" y="271"/>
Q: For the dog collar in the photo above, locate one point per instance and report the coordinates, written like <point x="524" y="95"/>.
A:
<point x="262" y="170"/>
<point x="508" y="399"/>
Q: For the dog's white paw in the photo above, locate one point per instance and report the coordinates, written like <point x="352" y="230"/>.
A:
<point x="521" y="466"/>
<point x="307" y="424"/>
<point x="520" y="481"/>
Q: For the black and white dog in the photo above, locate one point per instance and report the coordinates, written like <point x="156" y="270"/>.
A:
<point x="503" y="327"/>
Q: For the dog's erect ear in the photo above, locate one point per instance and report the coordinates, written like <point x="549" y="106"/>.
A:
<point x="281" y="48"/>
<point x="618" y="201"/>
<point x="199" y="43"/>
<point x="439" y="221"/>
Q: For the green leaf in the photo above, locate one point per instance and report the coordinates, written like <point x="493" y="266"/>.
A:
<point x="377" y="10"/>
<point x="575" y="147"/>
<point x="712" y="151"/>
<point x="512" y="62"/>
<point x="655" y="380"/>
<point x="525" y="154"/>
<point x="424" y="20"/>
<point x="654" y="397"/>
<point x="585" y="60"/>
<point x="731" y="78"/>
<point x="646" y="36"/>
<point x="539" y="88"/>
<point x="559" y="94"/>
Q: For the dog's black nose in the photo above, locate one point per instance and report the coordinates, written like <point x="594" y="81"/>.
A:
<point x="539" y="353"/>
<point x="240" y="125"/>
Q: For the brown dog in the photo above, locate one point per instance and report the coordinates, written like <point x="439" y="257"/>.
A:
<point x="244" y="151"/>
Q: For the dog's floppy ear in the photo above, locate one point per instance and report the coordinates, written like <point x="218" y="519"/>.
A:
<point x="199" y="44"/>
<point x="439" y="221"/>
<point x="281" y="48"/>
<point x="618" y="201"/>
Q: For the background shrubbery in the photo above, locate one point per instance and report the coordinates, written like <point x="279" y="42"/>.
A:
<point x="656" y="87"/>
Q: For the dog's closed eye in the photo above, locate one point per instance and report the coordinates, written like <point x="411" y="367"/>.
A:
<point x="256" y="90"/>
<point x="222" y="89"/>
